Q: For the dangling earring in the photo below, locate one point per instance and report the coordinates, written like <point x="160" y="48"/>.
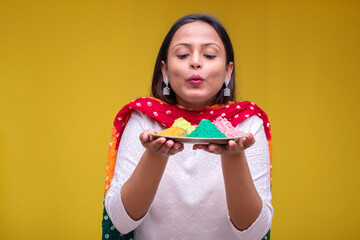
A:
<point x="227" y="90"/>
<point x="166" y="90"/>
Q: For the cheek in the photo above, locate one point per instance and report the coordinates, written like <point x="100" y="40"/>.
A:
<point x="218" y="71"/>
<point x="177" y="73"/>
<point x="175" y="70"/>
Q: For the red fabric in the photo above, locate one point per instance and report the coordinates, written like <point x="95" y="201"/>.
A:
<point x="166" y="114"/>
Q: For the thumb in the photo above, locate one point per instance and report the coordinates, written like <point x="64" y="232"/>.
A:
<point x="144" y="137"/>
<point x="249" y="140"/>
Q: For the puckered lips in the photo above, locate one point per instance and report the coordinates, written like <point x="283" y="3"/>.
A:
<point x="195" y="80"/>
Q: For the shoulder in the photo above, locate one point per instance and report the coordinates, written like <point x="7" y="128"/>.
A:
<point x="146" y="122"/>
<point x="139" y="116"/>
<point x="251" y="124"/>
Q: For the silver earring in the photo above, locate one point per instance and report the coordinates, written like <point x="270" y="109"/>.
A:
<point x="166" y="90"/>
<point x="227" y="90"/>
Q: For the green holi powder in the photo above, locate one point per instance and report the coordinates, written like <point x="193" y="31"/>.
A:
<point x="206" y="129"/>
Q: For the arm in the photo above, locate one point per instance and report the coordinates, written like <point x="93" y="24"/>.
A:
<point x="246" y="172"/>
<point x="243" y="201"/>
<point x="138" y="171"/>
<point x="139" y="191"/>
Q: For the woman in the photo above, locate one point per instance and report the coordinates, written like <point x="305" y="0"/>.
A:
<point x="161" y="189"/>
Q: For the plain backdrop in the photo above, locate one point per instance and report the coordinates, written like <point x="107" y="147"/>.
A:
<point x="67" y="67"/>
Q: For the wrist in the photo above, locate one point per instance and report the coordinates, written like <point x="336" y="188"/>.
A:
<point x="233" y="156"/>
<point x="156" y="156"/>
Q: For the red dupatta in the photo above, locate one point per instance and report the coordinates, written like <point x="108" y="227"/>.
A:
<point x="166" y="114"/>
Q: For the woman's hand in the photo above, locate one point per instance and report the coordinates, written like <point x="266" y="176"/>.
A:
<point x="159" y="146"/>
<point x="243" y="201"/>
<point x="231" y="148"/>
<point x="139" y="190"/>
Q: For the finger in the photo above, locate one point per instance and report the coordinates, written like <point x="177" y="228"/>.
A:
<point x="181" y="147"/>
<point x="144" y="137"/>
<point x="250" y="140"/>
<point x="157" y="144"/>
<point x="243" y="142"/>
<point x="165" y="148"/>
<point x="199" y="146"/>
<point x="232" y="145"/>
<point x="177" y="147"/>
<point x="170" y="143"/>
<point x="204" y="147"/>
<point x="249" y="135"/>
<point x="214" y="148"/>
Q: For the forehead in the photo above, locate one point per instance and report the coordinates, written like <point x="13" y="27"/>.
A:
<point x="196" y="33"/>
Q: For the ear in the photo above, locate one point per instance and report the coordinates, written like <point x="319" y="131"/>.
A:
<point x="163" y="69"/>
<point x="229" y="69"/>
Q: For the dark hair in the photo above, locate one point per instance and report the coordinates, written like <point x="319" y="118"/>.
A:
<point x="158" y="83"/>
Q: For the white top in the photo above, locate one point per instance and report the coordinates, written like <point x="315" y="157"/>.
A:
<point x="190" y="202"/>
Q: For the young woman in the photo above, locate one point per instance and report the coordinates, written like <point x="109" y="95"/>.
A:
<point x="161" y="189"/>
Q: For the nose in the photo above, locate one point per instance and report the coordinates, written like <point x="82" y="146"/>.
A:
<point x="195" y="66"/>
<point x="195" y="62"/>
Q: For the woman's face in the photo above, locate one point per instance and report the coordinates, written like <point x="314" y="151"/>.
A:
<point x="196" y="65"/>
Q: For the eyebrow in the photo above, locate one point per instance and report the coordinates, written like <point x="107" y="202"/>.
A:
<point x="205" y="44"/>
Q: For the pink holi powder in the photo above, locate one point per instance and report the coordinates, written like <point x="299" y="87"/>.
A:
<point x="225" y="127"/>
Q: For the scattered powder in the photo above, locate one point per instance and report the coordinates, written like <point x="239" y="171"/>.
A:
<point x="182" y="123"/>
<point x="206" y="129"/>
<point x="173" y="131"/>
<point x="225" y="127"/>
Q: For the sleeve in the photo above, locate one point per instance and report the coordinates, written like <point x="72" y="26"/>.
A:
<point x="129" y="153"/>
<point x="258" y="159"/>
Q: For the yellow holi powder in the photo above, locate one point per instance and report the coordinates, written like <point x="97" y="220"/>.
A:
<point x="182" y="123"/>
<point x="173" y="131"/>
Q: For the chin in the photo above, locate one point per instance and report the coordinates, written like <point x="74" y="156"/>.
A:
<point x="196" y="98"/>
<point x="199" y="100"/>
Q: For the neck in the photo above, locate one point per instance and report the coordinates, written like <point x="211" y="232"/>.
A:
<point x="192" y="105"/>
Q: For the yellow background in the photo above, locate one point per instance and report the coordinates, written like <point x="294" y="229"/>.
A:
<point x="67" y="67"/>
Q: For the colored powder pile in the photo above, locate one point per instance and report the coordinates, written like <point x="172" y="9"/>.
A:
<point x="206" y="129"/>
<point x="225" y="127"/>
<point x="173" y="131"/>
<point x="182" y="123"/>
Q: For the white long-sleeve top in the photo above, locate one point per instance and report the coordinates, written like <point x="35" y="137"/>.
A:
<point x="190" y="202"/>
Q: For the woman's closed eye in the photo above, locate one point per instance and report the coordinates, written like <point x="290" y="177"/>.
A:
<point x="182" y="56"/>
<point x="209" y="56"/>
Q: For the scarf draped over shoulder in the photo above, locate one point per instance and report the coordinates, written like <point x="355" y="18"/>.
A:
<point x="166" y="114"/>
